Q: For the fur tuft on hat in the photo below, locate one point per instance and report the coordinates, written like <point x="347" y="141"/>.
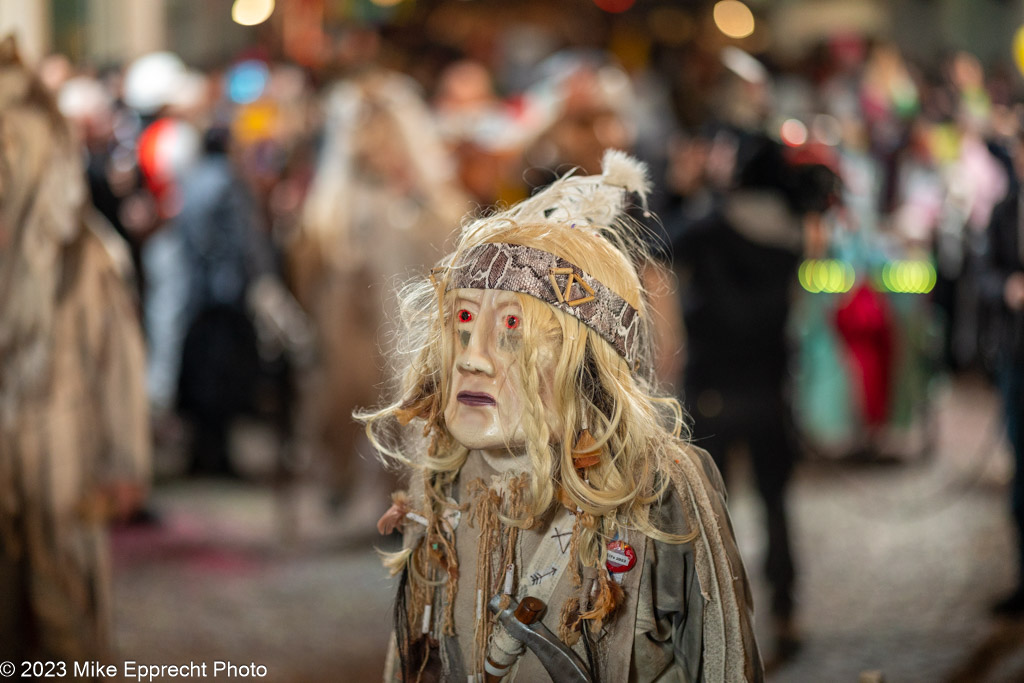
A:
<point x="622" y="170"/>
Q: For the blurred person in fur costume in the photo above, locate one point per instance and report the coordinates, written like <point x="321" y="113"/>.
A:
<point x="380" y="206"/>
<point x="74" y="440"/>
<point x="548" y="476"/>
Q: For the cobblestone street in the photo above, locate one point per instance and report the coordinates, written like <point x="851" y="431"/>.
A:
<point x="898" y="563"/>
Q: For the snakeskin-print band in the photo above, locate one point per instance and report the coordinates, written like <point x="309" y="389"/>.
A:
<point x="552" y="279"/>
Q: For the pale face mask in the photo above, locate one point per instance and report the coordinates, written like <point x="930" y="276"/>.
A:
<point x="485" y="404"/>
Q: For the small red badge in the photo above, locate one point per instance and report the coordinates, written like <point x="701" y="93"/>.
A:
<point x="621" y="557"/>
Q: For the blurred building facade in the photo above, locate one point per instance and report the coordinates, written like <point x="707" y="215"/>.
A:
<point x="102" y="32"/>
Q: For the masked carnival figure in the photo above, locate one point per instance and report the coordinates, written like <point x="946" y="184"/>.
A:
<point x="381" y="204"/>
<point x="557" y="524"/>
<point x="74" y="424"/>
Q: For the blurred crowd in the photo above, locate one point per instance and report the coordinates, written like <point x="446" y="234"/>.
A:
<point x="824" y="225"/>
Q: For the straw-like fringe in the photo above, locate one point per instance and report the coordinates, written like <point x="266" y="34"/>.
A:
<point x="574" y="554"/>
<point x="420" y="591"/>
<point x="447" y="558"/>
<point x="569" y="622"/>
<point x="434" y="551"/>
<point x="484" y="515"/>
<point x="440" y="544"/>
<point x="488" y="508"/>
<point x="426" y="658"/>
<point x="609" y="597"/>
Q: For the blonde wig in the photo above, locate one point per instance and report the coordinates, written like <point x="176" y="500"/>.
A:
<point x="639" y="432"/>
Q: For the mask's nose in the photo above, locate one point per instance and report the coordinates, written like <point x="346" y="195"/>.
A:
<point x="475" y="356"/>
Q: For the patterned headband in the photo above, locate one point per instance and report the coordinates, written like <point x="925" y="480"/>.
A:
<point x="552" y="279"/>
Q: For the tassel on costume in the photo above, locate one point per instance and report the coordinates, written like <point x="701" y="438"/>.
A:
<point x="584" y="453"/>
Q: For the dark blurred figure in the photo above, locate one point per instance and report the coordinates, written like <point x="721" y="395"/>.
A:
<point x="1002" y="287"/>
<point x="739" y="251"/>
<point x="225" y="252"/>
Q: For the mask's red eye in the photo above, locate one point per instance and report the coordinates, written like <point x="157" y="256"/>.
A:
<point x="464" y="316"/>
<point x="512" y="322"/>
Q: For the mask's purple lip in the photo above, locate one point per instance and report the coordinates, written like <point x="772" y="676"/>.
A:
<point x="473" y="398"/>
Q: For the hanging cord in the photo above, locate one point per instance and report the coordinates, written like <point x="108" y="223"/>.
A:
<point x="401" y="621"/>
